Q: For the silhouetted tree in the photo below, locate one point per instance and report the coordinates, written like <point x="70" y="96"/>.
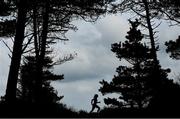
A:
<point x="131" y="82"/>
<point x="145" y="10"/>
<point x="28" y="81"/>
<point x="7" y="25"/>
<point x="173" y="47"/>
<point x="7" y="28"/>
<point x="135" y="82"/>
<point x="167" y="9"/>
<point x="4" y="8"/>
<point x="17" y="49"/>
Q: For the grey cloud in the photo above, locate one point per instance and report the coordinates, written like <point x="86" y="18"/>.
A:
<point x="92" y="44"/>
<point x="94" y="60"/>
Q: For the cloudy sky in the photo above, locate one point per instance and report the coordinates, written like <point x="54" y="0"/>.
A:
<point x="94" y="60"/>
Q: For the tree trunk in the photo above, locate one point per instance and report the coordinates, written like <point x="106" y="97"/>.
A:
<point x="151" y="34"/>
<point x="35" y="31"/>
<point x="40" y="61"/>
<point x="156" y="72"/>
<point x="17" y="52"/>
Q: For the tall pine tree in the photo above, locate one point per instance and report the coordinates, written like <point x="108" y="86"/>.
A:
<point x="27" y="81"/>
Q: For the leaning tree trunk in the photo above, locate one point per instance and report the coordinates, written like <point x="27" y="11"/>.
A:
<point x="156" y="79"/>
<point x="17" y="52"/>
<point x="151" y="34"/>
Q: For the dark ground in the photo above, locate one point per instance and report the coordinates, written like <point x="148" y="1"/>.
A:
<point x="46" y="111"/>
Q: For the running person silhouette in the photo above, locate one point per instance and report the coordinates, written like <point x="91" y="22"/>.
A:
<point x="94" y="102"/>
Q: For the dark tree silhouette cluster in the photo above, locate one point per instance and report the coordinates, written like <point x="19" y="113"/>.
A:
<point x="48" y="16"/>
<point x="132" y="82"/>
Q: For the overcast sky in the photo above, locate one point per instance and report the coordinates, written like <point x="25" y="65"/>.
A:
<point x="94" y="60"/>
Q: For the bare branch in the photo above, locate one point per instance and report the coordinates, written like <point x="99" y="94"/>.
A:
<point x="65" y="59"/>
<point x="26" y="45"/>
<point x="28" y="50"/>
<point x="7" y="46"/>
